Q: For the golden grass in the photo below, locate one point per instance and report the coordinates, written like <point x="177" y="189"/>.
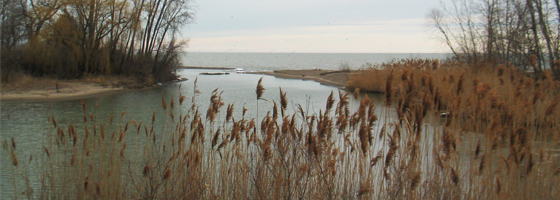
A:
<point x="21" y="81"/>
<point x="499" y="140"/>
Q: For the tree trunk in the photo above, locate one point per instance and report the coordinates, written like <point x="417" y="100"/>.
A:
<point x="535" y="34"/>
<point x="546" y="32"/>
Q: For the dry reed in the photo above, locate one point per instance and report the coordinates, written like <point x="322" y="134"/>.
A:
<point x="450" y="139"/>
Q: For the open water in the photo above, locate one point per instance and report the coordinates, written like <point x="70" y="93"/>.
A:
<point x="278" y="61"/>
<point x="28" y="123"/>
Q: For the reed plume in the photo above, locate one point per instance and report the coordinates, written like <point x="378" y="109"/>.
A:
<point x="283" y="101"/>
<point x="533" y="62"/>
<point x="435" y="64"/>
<point x="14" y="143"/>
<point x="389" y="89"/>
<point x="530" y="164"/>
<point x="166" y="174"/>
<point x="431" y="86"/>
<point x="390" y="155"/>
<point x="460" y="83"/>
<point x="501" y="69"/>
<point x="454" y="176"/>
<point x="551" y="109"/>
<point x="260" y="89"/>
<point x="229" y="112"/>
<point x="364" y="139"/>
<point x="375" y="159"/>
<point x="163" y="103"/>
<point x="47" y="152"/>
<point x="146" y="170"/>
<point x="477" y="149"/>
<point x="415" y="180"/>
<point x="181" y="99"/>
<point x="298" y="157"/>
<point x="364" y="189"/>
<point x="274" y="110"/>
<point x="498" y="186"/>
<point x="14" y="159"/>
<point x="330" y="103"/>
<point x="54" y="121"/>
<point x="482" y="164"/>
<point x="86" y="183"/>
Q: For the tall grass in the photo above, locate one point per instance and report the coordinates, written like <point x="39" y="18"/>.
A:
<point x="499" y="140"/>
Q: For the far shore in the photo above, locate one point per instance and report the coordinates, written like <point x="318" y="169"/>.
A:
<point x="197" y="67"/>
<point x="335" y="78"/>
<point x="44" y="89"/>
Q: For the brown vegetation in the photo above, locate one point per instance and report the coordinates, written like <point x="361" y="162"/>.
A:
<point x="73" y="39"/>
<point x="22" y="82"/>
<point x="499" y="140"/>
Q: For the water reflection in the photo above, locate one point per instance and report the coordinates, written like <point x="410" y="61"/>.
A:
<point x="28" y="122"/>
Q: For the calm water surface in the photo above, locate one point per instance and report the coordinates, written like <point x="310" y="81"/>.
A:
<point x="28" y="122"/>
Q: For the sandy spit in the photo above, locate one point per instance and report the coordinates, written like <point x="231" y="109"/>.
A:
<point x="326" y="77"/>
<point x="69" y="92"/>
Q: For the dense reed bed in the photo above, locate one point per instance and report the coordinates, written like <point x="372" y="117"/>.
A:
<point x="499" y="139"/>
<point x="503" y="121"/>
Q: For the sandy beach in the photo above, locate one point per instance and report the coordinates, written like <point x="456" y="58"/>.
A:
<point x="77" y="91"/>
<point x="66" y="91"/>
<point x="28" y="89"/>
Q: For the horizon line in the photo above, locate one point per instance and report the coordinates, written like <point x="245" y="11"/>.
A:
<point x="294" y="52"/>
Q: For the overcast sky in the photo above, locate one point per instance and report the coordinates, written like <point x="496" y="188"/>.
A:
<point x="315" y="26"/>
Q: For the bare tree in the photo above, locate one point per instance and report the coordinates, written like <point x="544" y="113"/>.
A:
<point x="136" y="37"/>
<point x="505" y="31"/>
<point x="12" y="23"/>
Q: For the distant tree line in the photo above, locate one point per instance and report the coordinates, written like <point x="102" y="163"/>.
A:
<point x="523" y="33"/>
<point x="73" y="38"/>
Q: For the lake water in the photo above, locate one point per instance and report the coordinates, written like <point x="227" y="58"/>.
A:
<point x="28" y="123"/>
<point x="278" y="61"/>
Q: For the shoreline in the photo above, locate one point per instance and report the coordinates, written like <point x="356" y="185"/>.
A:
<point x="40" y="96"/>
<point x="54" y="97"/>
<point x="334" y="78"/>
<point x="38" y="90"/>
<point x="196" y="67"/>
